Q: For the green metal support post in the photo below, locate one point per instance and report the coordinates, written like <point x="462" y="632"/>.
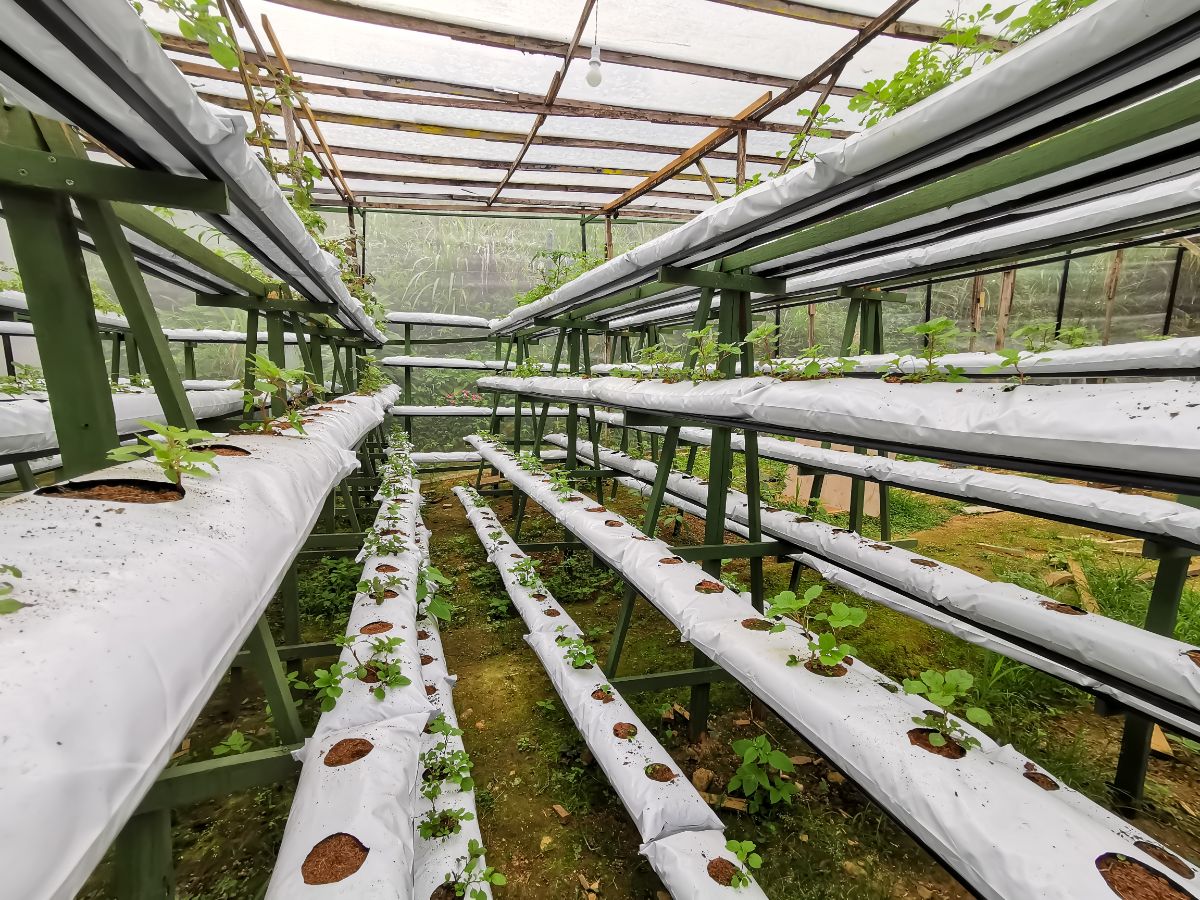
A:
<point x="277" y="354"/>
<point x="145" y="865"/>
<point x="189" y="359"/>
<point x="248" y="366"/>
<point x="50" y="259"/>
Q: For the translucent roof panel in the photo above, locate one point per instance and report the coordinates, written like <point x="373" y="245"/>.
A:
<point x="430" y="90"/>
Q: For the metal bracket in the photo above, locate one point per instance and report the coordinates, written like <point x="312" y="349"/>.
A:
<point x="733" y="281"/>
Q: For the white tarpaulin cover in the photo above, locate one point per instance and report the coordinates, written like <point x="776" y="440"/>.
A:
<point x="27" y="426"/>
<point x="416" y="411"/>
<point x="77" y="763"/>
<point x="447" y="362"/>
<point x="437" y="319"/>
<point x="114" y="27"/>
<point x="1005" y="835"/>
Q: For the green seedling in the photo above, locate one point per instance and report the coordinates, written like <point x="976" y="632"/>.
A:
<point x="787" y="603"/>
<point x="759" y="776"/>
<point x="442" y="766"/>
<point x="946" y="691"/>
<point x="744" y="851"/>
<point x="578" y="653"/>
<point x="470" y="880"/>
<point x="525" y="571"/>
<point x="378" y="587"/>
<point x="173" y="454"/>
<point x="234" y="744"/>
<point x="442" y="824"/>
<point x="829" y="648"/>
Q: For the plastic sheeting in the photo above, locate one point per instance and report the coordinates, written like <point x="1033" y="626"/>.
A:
<point x="1103" y="31"/>
<point x="681" y="861"/>
<point x="142" y="647"/>
<point x="1006" y="836"/>
<point x="1153" y="662"/>
<point x="506" y="411"/>
<point x="1150" y="429"/>
<point x="115" y="29"/>
<point x="437" y="319"/>
<point x="446" y="362"/>
<point x="658" y="808"/>
<point x="27" y="426"/>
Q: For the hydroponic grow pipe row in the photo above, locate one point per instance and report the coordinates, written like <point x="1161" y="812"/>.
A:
<point x="1136" y="515"/>
<point x="1144" y="434"/>
<point x="1167" y="358"/>
<point x="657" y="797"/>
<point x="945" y="618"/>
<point x="467" y="411"/>
<point x="132" y="614"/>
<point x="437" y="320"/>
<point x="1007" y="829"/>
<point x="448" y="362"/>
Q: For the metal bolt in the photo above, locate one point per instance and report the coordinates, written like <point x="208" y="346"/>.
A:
<point x="51" y="159"/>
<point x="22" y="172"/>
<point x="70" y="182"/>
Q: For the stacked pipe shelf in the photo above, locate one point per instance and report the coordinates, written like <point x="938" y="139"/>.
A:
<point x="207" y="562"/>
<point x="353" y="827"/>
<point x="681" y="835"/>
<point x="1005" y="833"/>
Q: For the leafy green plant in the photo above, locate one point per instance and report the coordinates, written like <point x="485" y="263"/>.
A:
<point x="749" y="859"/>
<point x="526" y="368"/>
<point x="435" y="824"/>
<point x="199" y="20"/>
<point x="560" y="482"/>
<point x="288" y="386"/>
<point x="829" y="648"/>
<point x="578" y="653"/>
<point x="9" y="604"/>
<point x="173" y="454"/>
<point x="378" y="667"/>
<point x="371" y="377"/>
<point x="326" y="586"/>
<point x="1011" y="358"/>
<point x="788" y="603"/>
<point x="378" y="587"/>
<point x="709" y="353"/>
<point x="947" y="690"/>
<point x="556" y="267"/>
<point x="10" y="279"/>
<point x="964" y="47"/>
<point x="470" y="879"/>
<point x="940" y="335"/>
<point x="234" y="744"/>
<point x="758" y="776"/>
<point x="525" y="571"/>
<point x="26" y="379"/>
<point x="427" y="584"/>
<point x="442" y="765"/>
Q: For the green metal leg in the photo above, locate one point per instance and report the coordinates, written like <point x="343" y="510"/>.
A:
<point x="133" y="358"/>
<point x="348" y="500"/>
<point x="275" y="351"/>
<point x="794" y="578"/>
<point x="754" y="514"/>
<point x="145" y="867"/>
<point x="289" y="594"/>
<point x="620" y="631"/>
<point x="25" y="476"/>
<point x="114" y="373"/>
<point x="269" y="669"/>
<point x="189" y="360"/>
<point x="1129" y="781"/>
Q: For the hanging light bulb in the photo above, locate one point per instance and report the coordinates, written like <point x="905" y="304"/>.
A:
<point x="593" y="73"/>
<point x="593" y="76"/>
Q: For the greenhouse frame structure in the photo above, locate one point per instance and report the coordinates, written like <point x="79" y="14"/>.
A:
<point x="1094" y="154"/>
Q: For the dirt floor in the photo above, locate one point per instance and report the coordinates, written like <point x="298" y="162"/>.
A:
<point x="830" y="841"/>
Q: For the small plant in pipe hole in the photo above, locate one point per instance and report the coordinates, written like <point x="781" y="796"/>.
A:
<point x="378" y="669"/>
<point x="527" y="368"/>
<point x="440" y="765"/>
<point x="427" y="584"/>
<point x="171" y="450"/>
<point x="289" y="386"/>
<point x="560" y="482"/>
<point x="578" y="653"/>
<point x="371" y="378"/>
<point x="947" y="690"/>
<point x="744" y="851"/>
<point x="525" y="571"/>
<point x="759" y="777"/>
<point x="530" y="463"/>
<point x="435" y="824"/>
<point x="787" y="604"/>
<point x="939" y="336"/>
<point x="378" y="587"/>
<point x="1012" y="362"/>
<point x="469" y="881"/>
<point x="9" y="604"/>
<point x="829" y="649"/>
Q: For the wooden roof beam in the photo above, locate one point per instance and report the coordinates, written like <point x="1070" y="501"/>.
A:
<point x="526" y="106"/>
<point x="808" y="12"/>
<point x="487" y="37"/>
<point x="481" y="209"/>
<point x="405" y="178"/>
<point x="480" y="134"/>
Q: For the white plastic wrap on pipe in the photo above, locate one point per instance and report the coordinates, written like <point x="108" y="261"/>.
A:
<point x="1003" y="833"/>
<point x="1153" y="662"/>
<point x="1151" y="428"/>
<point x="658" y="807"/>
<point x="445" y="362"/>
<point x="362" y="806"/>
<point x="77" y="763"/>
<point x="437" y="319"/>
<point x="506" y="411"/>
<point x="27" y="426"/>
<point x="212" y="384"/>
<point x="443" y="458"/>
<point x="337" y="420"/>
<point x="564" y="387"/>
<point x="1103" y="31"/>
<point x="682" y="860"/>
<point x="374" y="804"/>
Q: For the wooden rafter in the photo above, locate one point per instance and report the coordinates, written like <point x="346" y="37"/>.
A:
<point x="478" y="163"/>
<point x="685" y="159"/>
<point x="524" y="106"/>
<point x="480" y="209"/>
<point x="481" y="202"/>
<point x="482" y="134"/>
<point x="556" y="81"/>
<point x="766" y="105"/>
<point x="808" y="12"/>
<point x="487" y="37"/>
<point x="558" y="187"/>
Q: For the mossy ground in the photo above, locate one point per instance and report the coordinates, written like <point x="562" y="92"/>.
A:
<point x="829" y="842"/>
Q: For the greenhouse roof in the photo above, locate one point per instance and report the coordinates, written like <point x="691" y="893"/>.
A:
<point x="494" y="110"/>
